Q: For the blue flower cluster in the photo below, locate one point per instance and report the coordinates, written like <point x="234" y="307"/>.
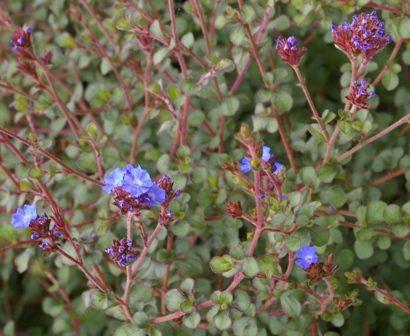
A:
<point x="40" y="225"/>
<point x="23" y="217"/>
<point x="122" y="252"/>
<point x="137" y="183"/>
<point x="306" y="257"/>
<point x="266" y="156"/>
<point x="365" y="35"/>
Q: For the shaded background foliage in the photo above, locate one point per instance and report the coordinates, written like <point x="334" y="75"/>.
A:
<point x="86" y="83"/>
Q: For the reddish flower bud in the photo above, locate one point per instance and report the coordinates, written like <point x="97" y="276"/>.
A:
<point x="286" y="48"/>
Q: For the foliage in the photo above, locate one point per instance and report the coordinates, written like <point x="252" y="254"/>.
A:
<point x="230" y="161"/>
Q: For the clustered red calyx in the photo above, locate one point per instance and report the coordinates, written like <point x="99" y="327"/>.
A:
<point x="234" y="209"/>
<point x="365" y="36"/>
<point x="286" y="48"/>
<point x="21" y="41"/>
<point x="41" y="231"/>
<point x="358" y="94"/>
<point x="317" y="271"/>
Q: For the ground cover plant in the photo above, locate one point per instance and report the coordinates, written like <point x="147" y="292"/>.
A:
<point x="204" y="167"/>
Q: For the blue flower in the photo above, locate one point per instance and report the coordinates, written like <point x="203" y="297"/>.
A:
<point x="246" y="162"/>
<point x="245" y="166"/>
<point x="306" y="256"/>
<point x="113" y="180"/>
<point x="265" y="153"/>
<point x="22" y="218"/>
<point x="137" y="181"/>
<point x="155" y="195"/>
<point x="276" y="168"/>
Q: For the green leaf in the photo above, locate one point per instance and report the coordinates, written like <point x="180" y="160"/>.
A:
<point x="316" y="131"/>
<point x="334" y="195"/>
<point x="188" y="40"/>
<point x="22" y="260"/>
<point x="140" y="320"/>
<point x="364" y="234"/>
<point x="160" y="54"/>
<point x="222" y="320"/>
<point x="155" y="29"/>
<point x="241" y="301"/>
<point x="280" y="23"/>
<point x="225" y="297"/>
<point x="186" y="306"/>
<point x="183" y="152"/>
<point x="191" y="320"/>
<point x="404" y="27"/>
<point x="237" y="35"/>
<point x="173" y="300"/>
<point x="294" y="199"/>
<point x="189" y="87"/>
<point x="401" y="230"/>
<point x="320" y="235"/>
<point x="8" y="232"/>
<point x="290" y="305"/>
<point x="222" y="264"/>
<point x="250" y="266"/>
<point x="124" y="25"/>
<point x="345" y="126"/>
<point x="338" y="320"/>
<point x="267" y="265"/>
<point x="248" y="14"/>
<point x="173" y="92"/>
<point x="327" y="173"/>
<point x="163" y="163"/>
<point x="92" y="132"/>
<point x="187" y="286"/>
<point x="196" y="118"/>
<point x="105" y="66"/>
<point x="392" y="214"/>
<point x="375" y="211"/>
<point x="140" y="293"/>
<point x="283" y="101"/>
<point x="35" y="173"/>
<point x="66" y="40"/>
<point x="88" y="162"/>
<point x="199" y="174"/>
<point x="363" y="249"/>
<point x="390" y="80"/>
<point x="229" y="106"/>
<point x="264" y="123"/>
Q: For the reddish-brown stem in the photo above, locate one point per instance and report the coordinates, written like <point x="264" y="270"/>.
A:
<point x="99" y="24"/>
<point x="137" y="130"/>
<point x="197" y="6"/>
<point x="71" y="119"/>
<point x="263" y="72"/>
<point x="355" y="226"/>
<point x="388" y="297"/>
<point x="388" y="177"/>
<point x="114" y="69"/>
<point x="164" y="287"/>
<point x="67" y="300"/>
<point x="262" y="29"/>
<point x="371" y="4"/>
<point x="8" y="174"/>
<point x="177" y="51"/>
<point x="375" y="137"/>
<point x="213" y="19"/>
<point x="310" y="101"/>
<point x="391" y="58"/>
<point x="48" y="155"/>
